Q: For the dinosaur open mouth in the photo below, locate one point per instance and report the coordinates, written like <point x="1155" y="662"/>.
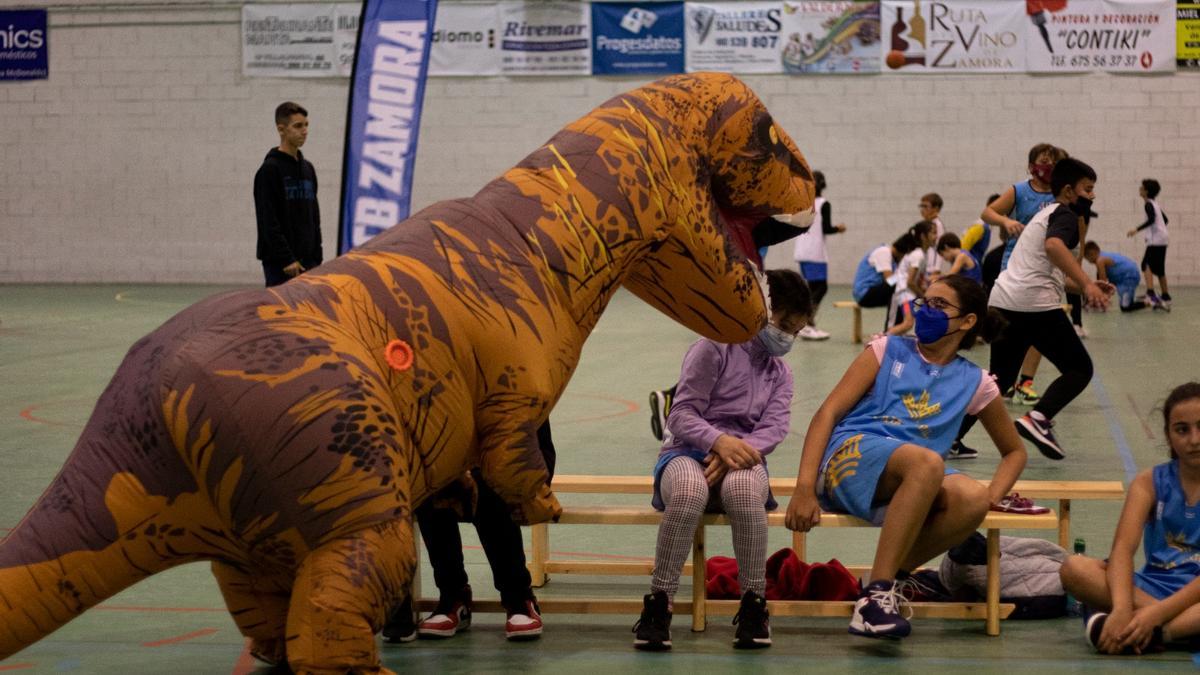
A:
<point x="739" y="228"/>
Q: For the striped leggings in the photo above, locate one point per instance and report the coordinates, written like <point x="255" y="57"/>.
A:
<point x="742" y="496"/>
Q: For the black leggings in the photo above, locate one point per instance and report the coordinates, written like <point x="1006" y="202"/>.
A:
<point x="818" y="289"/>
<point x="499" y="535"/>
<point x="1076" y="302"/>
<point x="1053" y="335"/>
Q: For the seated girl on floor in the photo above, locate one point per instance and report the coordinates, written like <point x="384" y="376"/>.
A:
<point x="876" y="447"/>
<point x="1141" y="611"/>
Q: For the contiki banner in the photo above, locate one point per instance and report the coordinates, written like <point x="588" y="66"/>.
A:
<point x="1116" y="35"/>
<point x="384" y="116"/>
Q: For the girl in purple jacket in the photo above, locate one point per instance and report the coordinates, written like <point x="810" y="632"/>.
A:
<point x="731" y="409"/>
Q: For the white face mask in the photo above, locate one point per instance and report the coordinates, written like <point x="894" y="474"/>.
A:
<point x="777" y="342"/>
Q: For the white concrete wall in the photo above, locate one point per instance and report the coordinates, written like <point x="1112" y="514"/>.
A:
<point x="134" y="161"/>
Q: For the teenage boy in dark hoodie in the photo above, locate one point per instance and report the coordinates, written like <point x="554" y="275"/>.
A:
<point x="285" y="202"/>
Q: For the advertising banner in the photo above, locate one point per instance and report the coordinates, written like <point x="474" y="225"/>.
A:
<point x="545" y="38"/>
<point x="288" y="41"/>
<point x="1187" y="35"/>
<point x="831" y="37"/>
<point x="345" y="35"/>
<point x="384" y="116"/>
<point x="1114" y="35"/>
<point x="464" y="40"/>
<point x="734" y="37"/>
<point x="24" y="49"/>
<point x="956" y="36"/>
<point x="637" y="38"/>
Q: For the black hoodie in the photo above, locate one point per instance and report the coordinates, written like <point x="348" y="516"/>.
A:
<point x="285" y="203"/>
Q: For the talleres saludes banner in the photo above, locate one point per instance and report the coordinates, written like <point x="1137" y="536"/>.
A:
<point x="384" y="116"/>
<point x="957" y="36"/>
<point x="1114" y="35"/>
<point x="734" y="37"/>
<point x="643" y="38"/>
<point x="830" y="37"/>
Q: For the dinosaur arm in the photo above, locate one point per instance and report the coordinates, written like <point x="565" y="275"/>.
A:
<point x="512" y="464"/>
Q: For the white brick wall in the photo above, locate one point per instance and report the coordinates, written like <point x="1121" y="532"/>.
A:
<point x="134" y="161"/>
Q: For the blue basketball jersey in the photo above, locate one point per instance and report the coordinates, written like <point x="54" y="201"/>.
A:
<point x="1122" y="270"/>
<point x="975" y="272"/>
<point x="913" y="400"/>
<point x="866" y="275"/>
<point x="1172" y="534"/>
<point x="1026" y="204"/>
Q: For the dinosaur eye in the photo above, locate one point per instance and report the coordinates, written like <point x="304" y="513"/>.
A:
<point x="773" y="134"/>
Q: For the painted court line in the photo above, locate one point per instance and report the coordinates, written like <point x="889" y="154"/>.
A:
<point x="1141" y="420"/>
<point x="17" y="666"/>
<point x="1114" y="427"/>
<point x="180" y="638"/>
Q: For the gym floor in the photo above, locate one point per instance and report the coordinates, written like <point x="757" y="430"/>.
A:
<point x="59" y="345"/>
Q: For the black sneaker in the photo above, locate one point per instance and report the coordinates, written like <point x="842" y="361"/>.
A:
<point x="960" y="451"/>
<point x="401" y="625"/>
<point x="652" y="632"/>
<point x="877" y="612"/>
<point x="660" y="405"/>
<point x="753" y="623"/>
<point x="1095" y="627"/>
<point x="1041" y="434"/>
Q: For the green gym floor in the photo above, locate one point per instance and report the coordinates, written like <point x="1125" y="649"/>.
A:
<point x="59" y="345"/>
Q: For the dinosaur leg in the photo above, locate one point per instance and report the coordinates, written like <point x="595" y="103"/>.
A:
<point x="342" y="595"/>
<point x="259" y="608"/>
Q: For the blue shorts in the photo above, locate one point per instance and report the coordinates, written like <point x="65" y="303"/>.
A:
<point x="850" y="474"/>
<point x="814" y="271"/>
<point x="1126" y="289"/>
<point x="1160" y="583"/>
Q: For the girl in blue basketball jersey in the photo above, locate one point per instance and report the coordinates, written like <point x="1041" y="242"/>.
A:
<point x="1142" y="610"/>
<point x="876" y="446"/>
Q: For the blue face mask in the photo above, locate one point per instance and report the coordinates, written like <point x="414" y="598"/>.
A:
<point x="777" y="342"/>
<point x="931" y="324"/>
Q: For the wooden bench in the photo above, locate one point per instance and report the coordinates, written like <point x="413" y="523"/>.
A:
<point x="856" y="335"/>
<point x="992" y="611"/>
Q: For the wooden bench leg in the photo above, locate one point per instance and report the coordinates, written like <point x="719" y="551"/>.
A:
<point x="993" y="582"/>
<point x="799" y="546"/>
<point x="699" y="594"/>
<point x="540" y="536"/>
<point x="856" y="332"/>
<point x="1064" y="524"/>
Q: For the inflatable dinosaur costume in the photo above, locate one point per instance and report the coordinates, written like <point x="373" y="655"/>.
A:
<point x="286" y="434"/>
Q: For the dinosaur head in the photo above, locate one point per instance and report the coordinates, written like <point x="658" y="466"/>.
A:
<point x="705" y="272"/>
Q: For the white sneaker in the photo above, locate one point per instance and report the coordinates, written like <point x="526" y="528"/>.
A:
<point x="813" y="333"/>
<point x="1081" y="332"/>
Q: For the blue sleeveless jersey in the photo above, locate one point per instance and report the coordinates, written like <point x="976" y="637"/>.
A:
<point x="912" y="400"/>
<point x="1171" y="540"/>
<point x="975" y="272"/>
<point x="1026" y="203"/>
<point x="866" y="276"/>
<point x="1123" y="270"/>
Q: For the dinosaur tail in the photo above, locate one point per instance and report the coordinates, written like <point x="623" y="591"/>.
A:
<point x="109" y="519"/>
<point x="95" y="531"/>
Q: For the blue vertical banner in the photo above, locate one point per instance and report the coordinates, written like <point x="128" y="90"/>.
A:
<point x="387" y="88"/>
<point x="24" y="50"/>
<point x="637" y="38"/>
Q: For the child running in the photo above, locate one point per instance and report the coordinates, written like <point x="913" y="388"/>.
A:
<point x="731" y="408"/>
<point x="1117" y="270"/>
<point x="1141" y="611"/>
<point x="1154" y="261"/>
<point x="1029" y="294"/>
<point x="810" y="255"/>
<point x="875" y="447"/>
<point x="950" y="248"/>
